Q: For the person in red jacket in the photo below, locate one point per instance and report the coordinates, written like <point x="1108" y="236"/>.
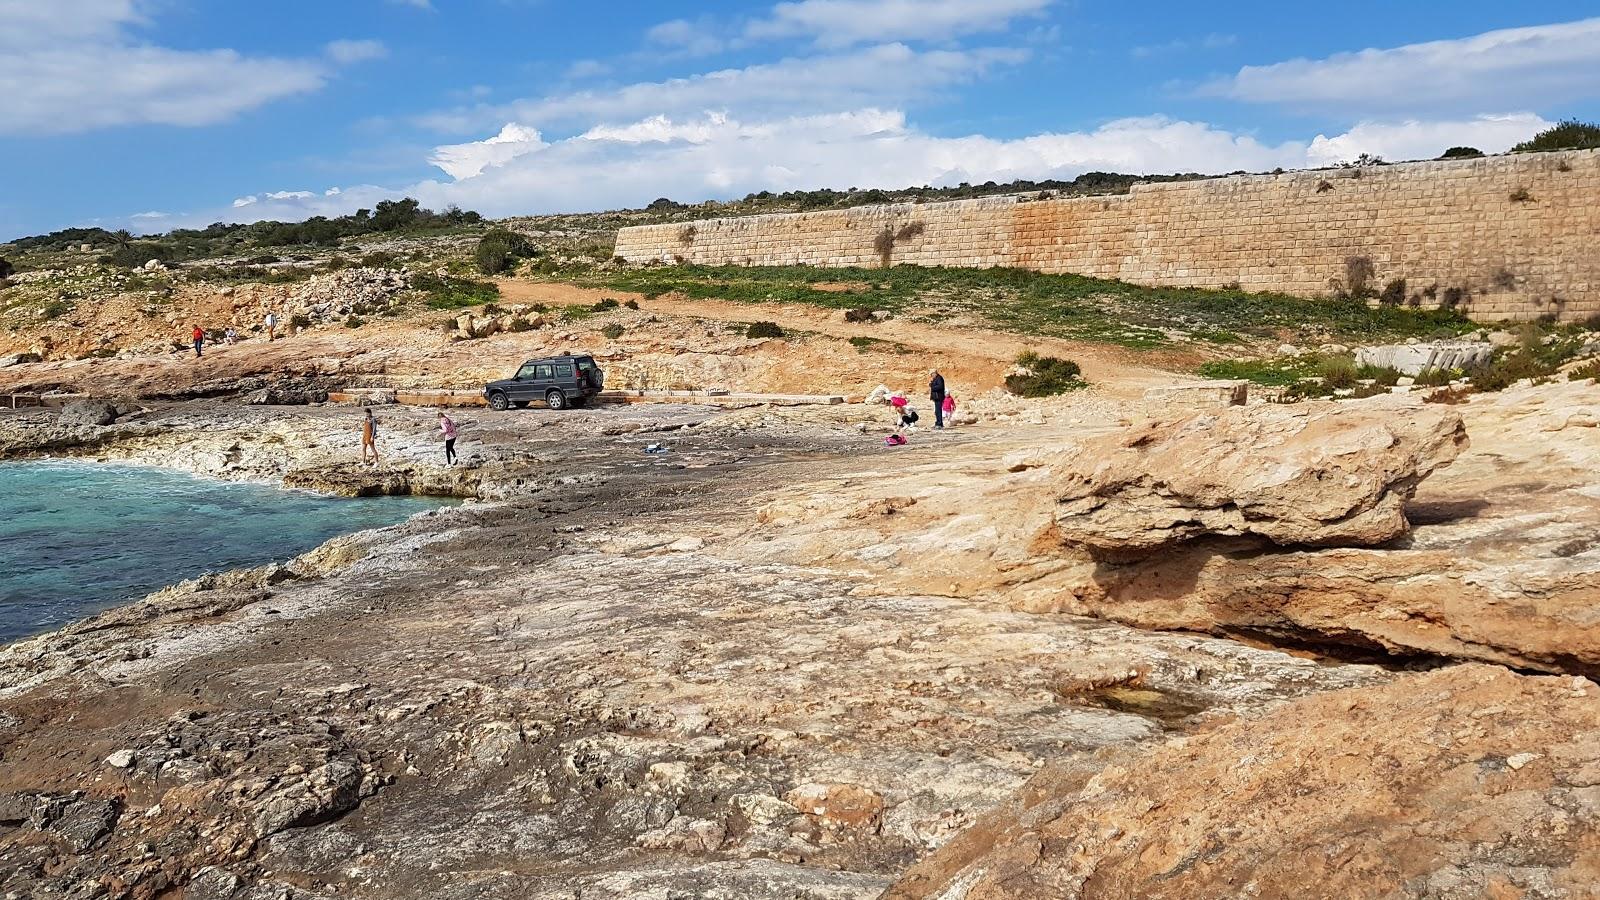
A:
<point x="199" y="337"/>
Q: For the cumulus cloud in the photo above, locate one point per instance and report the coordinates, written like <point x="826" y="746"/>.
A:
<point x="839" y="23"/>
<point x="466" y="160"/>
<point x="518" y="171"/>
<point x="888" y="74"/>
<point x="69" y="66"/>
<point x="1513" y="68"/>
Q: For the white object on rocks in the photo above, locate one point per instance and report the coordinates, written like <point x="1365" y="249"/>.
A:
<point x="1413" y="359"/>
<point x="1200" y="394"/>
<point x="122" y="759"/>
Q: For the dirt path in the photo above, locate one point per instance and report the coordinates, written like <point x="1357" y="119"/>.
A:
<point x="1118" y="371"/>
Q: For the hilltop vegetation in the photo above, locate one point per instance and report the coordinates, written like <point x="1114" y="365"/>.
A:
<point x="119" y="248"/>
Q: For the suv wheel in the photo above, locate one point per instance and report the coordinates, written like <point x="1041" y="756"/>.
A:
<point x="555" y="400"/>
<point x="499" y="402"/>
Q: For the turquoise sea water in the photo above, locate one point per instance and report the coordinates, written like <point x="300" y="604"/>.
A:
<point x="76" y="538"/>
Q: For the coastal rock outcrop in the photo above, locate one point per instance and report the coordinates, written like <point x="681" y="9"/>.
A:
<point x="1327" y="475"/>
<point x="1469" y="781"/>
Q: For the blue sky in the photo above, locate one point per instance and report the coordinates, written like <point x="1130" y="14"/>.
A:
<point x="153" y="114"/>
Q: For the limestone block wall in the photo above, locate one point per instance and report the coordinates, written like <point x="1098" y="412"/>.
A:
<point x="1504" y="237"/>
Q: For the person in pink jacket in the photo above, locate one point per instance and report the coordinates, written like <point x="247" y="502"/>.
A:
<point x="447" y="427"/>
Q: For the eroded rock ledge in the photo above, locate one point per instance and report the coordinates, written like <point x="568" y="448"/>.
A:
<point x="1465" y="782"/>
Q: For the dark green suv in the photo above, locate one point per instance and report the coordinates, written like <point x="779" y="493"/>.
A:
<point x="560" y="381"/>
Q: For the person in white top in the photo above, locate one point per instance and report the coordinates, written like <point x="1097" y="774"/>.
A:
<point x="272" y="326"/>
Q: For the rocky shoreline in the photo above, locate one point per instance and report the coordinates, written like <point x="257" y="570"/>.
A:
<point x="775" y="661"/>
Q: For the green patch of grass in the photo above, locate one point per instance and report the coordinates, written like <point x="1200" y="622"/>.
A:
<point x="1338" y="372"/>
<point x="763" y="330"/>
<point x="1587" y="371"/>
<point x="1046" y="376"/>
<point x="613" y="331"/>
<point x="1070" y="306"/>
<point x="454" y="293"/>
<point x="1274" y="372"/>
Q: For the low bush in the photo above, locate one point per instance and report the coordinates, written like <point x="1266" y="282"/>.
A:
<point x="1044" y="376"/>
<point x="1338" y="372"/>
<point x="55" y="309"/>
<point x="859" y="315"/>
<point x="632" y="304"/>
<point x="354" y="321"/>
<point x="1568" y="134"/>
<point x="1435" y="377"/>
<point x="1588" y="371"/>
<point x="500" y="249"/>
<point x="6" y="268"/>
<point x="763" y="330"/>
<point x="1449" y="396"/>
<point x="613" y="331"/>
<point x="1384" y="375"/>
<point x="450" y="292"/>
<point x="380" y="259"/>
<point x="1461" y="153"/>
<point x="608" y="303"/>
<point x="299" y="321"/>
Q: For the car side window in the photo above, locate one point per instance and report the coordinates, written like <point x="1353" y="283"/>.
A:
<point x="525" y="372"/>
<point x="563" y="370"/>
<point x="541" y="371"/>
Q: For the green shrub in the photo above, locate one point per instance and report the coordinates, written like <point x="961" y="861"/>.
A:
<point x="1394" y="293"/>
<point x="1369" y="390"/>
<point x="450" y="292"/>
<point x="354" y="321"/>
<point x="55" y="309"/>
<point x="1568" y="134"/>
<point x="1461" y="153"/>
<point x="608" y="303"/>
<point x="299" y="321"/>
<point x="1384" y="375"/>
<point x="520" y="324"/>
<point x="380" y="259"/>
<point x="763" y="330"/>
<point x="613" y="331"/>
<point x="1338" y="372"/>
<point x="859" y="314"/>
<point x="1435" y="377"/>
<point x="632" y="304"/>
<point x="6" y="268"/>
<point x="1045" y="376"/>
<point x="499" y="250"/>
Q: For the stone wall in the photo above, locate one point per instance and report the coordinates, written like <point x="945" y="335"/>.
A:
<point x="1506" y="237"/>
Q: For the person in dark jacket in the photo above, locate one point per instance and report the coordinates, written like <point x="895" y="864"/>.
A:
<point x="936" y="394"/>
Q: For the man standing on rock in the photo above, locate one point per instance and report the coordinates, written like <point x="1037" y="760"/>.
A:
<point x="369" y="438"/>
<point x="199" y="338"/>
<point x="272" y="326"/>
<point x="936" y="394"/>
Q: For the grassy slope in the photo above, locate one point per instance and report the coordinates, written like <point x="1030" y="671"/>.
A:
<point x="1069" y="306"/>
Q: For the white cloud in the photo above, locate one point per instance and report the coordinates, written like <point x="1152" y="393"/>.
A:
<point x="1416" y="139"/>
<point x="717" y="155"/>
<point x="69" y="66"/>
<point x="1213" y="41"/>
<point x="1514" y="68"/>
<point x="587" y="68"/>
<point x="466" y="160"/>
<point x="152" y="214"/>
<point x="346" y="52"/>
<point x="688" y="38"/>
<point x="839" y="23"/>
<point x="416" y="4"/>
<point x="889" y="74"/>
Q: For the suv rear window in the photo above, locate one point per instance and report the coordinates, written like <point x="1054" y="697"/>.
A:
<point x="563" y="370"/>
<point x="586" y="363"/>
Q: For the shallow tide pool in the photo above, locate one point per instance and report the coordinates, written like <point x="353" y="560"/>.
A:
<point x="76" y="537"/>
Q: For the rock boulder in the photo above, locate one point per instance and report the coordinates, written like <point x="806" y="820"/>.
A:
<point x="1314" y="475"/>
<point x="88" y="412"/>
